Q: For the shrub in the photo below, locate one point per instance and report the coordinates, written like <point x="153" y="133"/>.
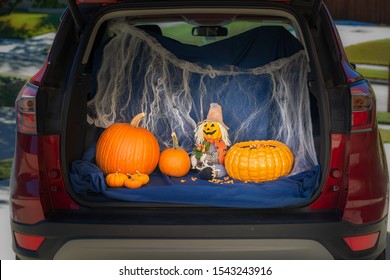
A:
<point x="9" y="89"/>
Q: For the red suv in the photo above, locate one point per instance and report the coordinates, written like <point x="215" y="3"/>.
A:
<point x="282" y="154"/>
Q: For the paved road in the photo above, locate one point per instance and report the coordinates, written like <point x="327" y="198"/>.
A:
<point x="7" y="132"/>
<point x="24" y="57"/>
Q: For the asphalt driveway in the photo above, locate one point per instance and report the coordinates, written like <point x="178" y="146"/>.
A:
<point x="24" y="57"/>
<point x="7" y="132"/>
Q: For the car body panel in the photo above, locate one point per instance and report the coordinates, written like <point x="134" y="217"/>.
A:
<point x="352" y="200"/>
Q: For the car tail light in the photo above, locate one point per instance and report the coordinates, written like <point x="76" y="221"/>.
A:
<point x="25" y="107"/>
<point x="363" y="106"/>
<point x="362" y="242"/>
<point x="29" y="242"/>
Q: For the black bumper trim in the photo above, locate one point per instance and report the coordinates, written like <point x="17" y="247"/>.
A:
<point x="329" y="234"/>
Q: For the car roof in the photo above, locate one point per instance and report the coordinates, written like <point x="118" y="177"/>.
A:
<point x="311" y="7"/>
<point x="123" y="1"/>
<point x="305" y="3"/>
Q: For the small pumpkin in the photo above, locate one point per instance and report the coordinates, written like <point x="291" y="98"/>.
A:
<point x="258" y="161"/>
<point x="174" y="161"/>
<point x="132" y="183"/>
<point x="127" y="147"/>
<point x="144" y="178"/>
<point x="116" y="180"/>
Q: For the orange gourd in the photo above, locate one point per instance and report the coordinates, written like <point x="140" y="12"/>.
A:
<point x="116" y="180"/>
<point x="258" y="161"/>
<point x="132" y="183"/>
<point x="144" y="178"/>
<point x="128" y="148"/>
<point x="174" y="161"/>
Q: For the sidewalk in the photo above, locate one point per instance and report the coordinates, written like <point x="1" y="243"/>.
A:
<point x="354" y="34"/>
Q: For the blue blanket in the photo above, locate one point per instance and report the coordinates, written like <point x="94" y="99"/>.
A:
<point x="86" y="177"/>
<point x="254" y="48"/>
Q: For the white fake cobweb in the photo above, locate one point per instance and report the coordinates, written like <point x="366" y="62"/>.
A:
<point x="137" y="74"/>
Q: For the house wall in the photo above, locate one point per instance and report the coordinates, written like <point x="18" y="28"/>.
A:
<point x="374" y="11"/>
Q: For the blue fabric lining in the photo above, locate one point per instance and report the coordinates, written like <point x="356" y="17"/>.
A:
<point x="284" y="192"/>
<point x="254" y="48"/>
<point x="297" y="189"/>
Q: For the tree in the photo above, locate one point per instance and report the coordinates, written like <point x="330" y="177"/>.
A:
<point x="47" y="3"/>
<point x="9" y="5"/>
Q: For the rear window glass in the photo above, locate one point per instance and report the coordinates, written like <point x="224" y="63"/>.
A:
<point x="184" y="31"/>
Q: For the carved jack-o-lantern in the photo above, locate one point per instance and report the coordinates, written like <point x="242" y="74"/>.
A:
<point x="259" y="160"/>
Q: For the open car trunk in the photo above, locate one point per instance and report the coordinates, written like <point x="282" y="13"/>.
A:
<point x="149" y="61"/>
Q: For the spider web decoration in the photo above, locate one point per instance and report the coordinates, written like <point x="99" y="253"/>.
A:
<point x="138" y="74"/>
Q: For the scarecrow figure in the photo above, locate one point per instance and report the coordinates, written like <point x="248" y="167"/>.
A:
<point x="211" y="142"/>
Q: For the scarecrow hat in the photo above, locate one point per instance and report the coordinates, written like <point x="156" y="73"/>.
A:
<point x="215" y="114"/>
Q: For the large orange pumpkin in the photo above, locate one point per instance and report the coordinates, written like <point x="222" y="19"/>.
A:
<point x="258" y="161"/>
<point x="127" y="148"/>
<point x="174" y="161"/>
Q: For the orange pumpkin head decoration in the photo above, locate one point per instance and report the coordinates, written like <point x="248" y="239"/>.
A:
<point x="174" y="161"/>
<point x="212" y="130"/>
<point x="128" y="148"/>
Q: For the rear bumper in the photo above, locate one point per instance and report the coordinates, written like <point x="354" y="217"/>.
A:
<point x="109" y="239"/>
<point x="195" y="249"/>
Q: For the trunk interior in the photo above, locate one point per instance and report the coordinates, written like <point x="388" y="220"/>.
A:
<point x="143" y="62"/>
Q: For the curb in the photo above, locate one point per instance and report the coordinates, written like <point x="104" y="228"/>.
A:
<point x="4" y="183"/>
<point x="378" y="82"/>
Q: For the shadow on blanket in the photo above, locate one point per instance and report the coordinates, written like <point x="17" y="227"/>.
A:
<point x="286" y="191"/>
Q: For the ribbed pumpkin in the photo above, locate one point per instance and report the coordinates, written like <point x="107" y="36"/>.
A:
<point x="132" y="183"/>
<point x="258" y="161"/>
<point x="116" y="180"/>
<point x="174" y="161"/>
<point x="144" y="178"/>
<point x="128" y="148"/>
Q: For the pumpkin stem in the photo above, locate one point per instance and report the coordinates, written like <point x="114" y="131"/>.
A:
<point x="130" y="176"/>
<point x="175" y="141"/>
<point x="137" y="119"/>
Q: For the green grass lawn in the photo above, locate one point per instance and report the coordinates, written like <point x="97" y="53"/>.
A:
<point x="5" y="168"/>
<point x="383" y="117"/>
<point x="373" y="73"/>
<point x="374" y="53"/>
<point x="26" y="25"/>
<point x="385" y="134"/>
